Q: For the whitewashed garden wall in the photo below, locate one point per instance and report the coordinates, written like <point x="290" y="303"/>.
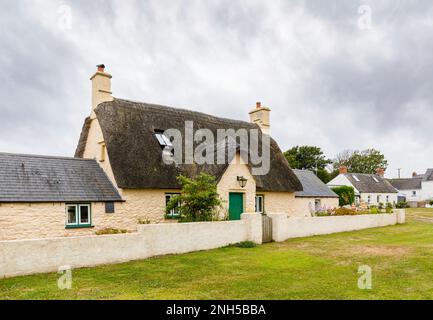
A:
<point x="21" y="257"/>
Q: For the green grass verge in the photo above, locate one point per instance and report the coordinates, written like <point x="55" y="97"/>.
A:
<point x="322" y="267"/>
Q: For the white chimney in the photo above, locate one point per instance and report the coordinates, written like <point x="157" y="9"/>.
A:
<point x="261" y="116"/>
<point x="101" y="87"/>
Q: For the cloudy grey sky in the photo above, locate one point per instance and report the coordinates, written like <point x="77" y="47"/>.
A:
<point x="329" y="79"/>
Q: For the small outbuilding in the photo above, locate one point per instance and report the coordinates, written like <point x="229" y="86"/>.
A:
<point x="44" y="196"/>
<point x="316" y="196"/>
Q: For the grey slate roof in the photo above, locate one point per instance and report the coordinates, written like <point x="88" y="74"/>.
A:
<point x="32" y="178"/>
<point x="312" y="185"/>
<point x="428" y="176"/>
<point x="406" y="183"/>
<point x="135" y="155"/>
<point x="366" y="183"/>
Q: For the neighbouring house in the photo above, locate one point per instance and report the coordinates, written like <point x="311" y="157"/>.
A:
<point x="427" y="185"/>
<point x="415" y="190"/>
<point x="316" y="196"/>
<point x="370" y="189"/>
<point x="123" y="144"/>
<point x="43" y="196"/>
<point x="409" y="189"/>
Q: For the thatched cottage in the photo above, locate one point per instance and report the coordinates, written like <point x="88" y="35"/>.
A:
<point x="125" y="139"/>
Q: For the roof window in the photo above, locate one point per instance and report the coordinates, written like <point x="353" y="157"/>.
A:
<point x="375" y="179"/>
<point x="163" y="140"/>
<point x="355" y="177"/>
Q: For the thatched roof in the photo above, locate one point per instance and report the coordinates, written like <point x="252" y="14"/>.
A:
<point x="135" y="154"/>
<point x="79" y="152"/>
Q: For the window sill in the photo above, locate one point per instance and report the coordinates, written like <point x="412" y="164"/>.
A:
<point x="79" y="227"/>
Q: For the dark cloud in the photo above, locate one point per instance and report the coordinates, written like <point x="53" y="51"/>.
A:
<point x="328" y="82"/>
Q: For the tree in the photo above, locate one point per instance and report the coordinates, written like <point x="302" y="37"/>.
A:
<point x="366" y="161"/>
<point x="306" y="158"/>
<point x="346" y="195"/>
<point x="326" y="176"/>
<point x="199" y="199"/>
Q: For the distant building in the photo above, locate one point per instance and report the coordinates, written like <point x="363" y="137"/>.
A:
<point x="415" y="189"/>
<point x="371" y="189"/>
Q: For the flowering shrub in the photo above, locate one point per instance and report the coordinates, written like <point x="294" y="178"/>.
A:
<point x="345" y="212"/>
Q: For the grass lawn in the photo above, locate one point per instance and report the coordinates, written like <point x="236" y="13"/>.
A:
<point x="322" y="267"/>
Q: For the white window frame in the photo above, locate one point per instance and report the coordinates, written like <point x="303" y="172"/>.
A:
<point x="172" y="213"/>
<point x="317" y="204"/>
<point x="260" y="196"/>
<point x="163" y="140"/>
<point x="78" y="223"/>
<point x="67" y="215"/>
<point x="413" y="193"/>
<point x="387" y="198"/>
<point x="378" y="198"/>
<point x="368" y="199"/>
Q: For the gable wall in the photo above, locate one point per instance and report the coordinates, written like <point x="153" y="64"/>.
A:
<point x="426" y="190"/>
<point x="228" y="183"/>
<point x="341" y="180"/>
<point x="93" y="149"/>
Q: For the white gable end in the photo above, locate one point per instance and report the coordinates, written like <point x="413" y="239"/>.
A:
<point x="341" y="180"/>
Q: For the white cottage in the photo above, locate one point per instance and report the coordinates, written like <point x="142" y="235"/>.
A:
<point x="372" y="189"/>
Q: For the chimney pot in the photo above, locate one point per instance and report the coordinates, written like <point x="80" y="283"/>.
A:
<point x="380" y="172"/>
<point x="101" y="67"/>
<point x="258" y="105"/>
<point x="414" y="174"/>
<point x="343" y="170"/>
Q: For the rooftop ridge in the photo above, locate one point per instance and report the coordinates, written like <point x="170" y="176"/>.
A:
<point x="43" y="156"/>
<point x="168" y="108"/>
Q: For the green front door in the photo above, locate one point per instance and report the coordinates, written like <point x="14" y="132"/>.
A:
<point x="236" y="205"/>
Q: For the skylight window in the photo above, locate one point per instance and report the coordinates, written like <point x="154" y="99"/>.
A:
<point x="375" y="179"/>
<point x="355" y="177"/>
<point x="163" y="140"/>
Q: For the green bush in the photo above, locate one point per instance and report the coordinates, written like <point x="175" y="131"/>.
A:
<point x="380" y="206"/>
<point x="402" y="205"/>
<point x="345" y="194"/>
<point x="430" y="202"/>
<point x="388" y="208"/>
<point x="345" y="212"/>
<point x="199" y="199"/>
<point x="321" y="213"/>
<point x="244" y="244"/>
<point x="374" y="210"/>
